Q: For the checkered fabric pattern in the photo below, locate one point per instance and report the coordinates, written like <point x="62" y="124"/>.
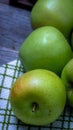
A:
<point x="8" y="121"/>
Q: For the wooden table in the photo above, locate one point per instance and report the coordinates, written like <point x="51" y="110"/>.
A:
<point x="15" y="26"/>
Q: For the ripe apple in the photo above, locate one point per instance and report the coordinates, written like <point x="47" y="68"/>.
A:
<point x="67" y="77"/>
<point x="45" y="48"/>
<point x="38" y="97"/>
<point x="57" y="13"/>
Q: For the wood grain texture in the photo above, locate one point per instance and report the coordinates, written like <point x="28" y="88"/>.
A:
<point x="25" y="4"/>
<point x="14" y="28"/>
<point x="4" y="1"/>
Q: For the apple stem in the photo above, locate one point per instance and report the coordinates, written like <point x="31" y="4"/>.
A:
<point x="34" y="107"/>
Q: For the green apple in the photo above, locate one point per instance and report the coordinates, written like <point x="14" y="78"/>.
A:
<point x="45" y="48"/>
<point x="38" y="97"/>
<point x="67" y="77"/>
<point x="57" y="13"/>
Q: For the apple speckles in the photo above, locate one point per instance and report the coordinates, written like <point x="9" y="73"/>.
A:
<point x="49" y="113"/>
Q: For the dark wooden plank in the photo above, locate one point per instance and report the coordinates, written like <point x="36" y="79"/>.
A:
<point x="14" y="28"/>
<point x="4" y="1"/>
<point x="7" y="55"/>
<point x="26" y="4"/>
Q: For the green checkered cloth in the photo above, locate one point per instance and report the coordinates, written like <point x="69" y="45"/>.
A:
<point x="8" y="121"/>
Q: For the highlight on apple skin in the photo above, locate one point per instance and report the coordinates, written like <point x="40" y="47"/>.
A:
<point x="45" y="48"/>
<point x="38" y="97"/>
<point x="67" y="77"/>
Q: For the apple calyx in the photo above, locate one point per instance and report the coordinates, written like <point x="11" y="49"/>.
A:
<point x="34" y="107"/>
<point x="69" y="85"/>
<point x="72" y="39"/>
<point x="70" y="97"/>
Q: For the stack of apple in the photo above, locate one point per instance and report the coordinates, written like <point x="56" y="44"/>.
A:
<point x="39" y="96"/>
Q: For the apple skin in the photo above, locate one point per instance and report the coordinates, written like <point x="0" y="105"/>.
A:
<point x="72" y="40"/>
<point x="45" y="48"/>
<point x="43" y="88"/>
<point x="67" y="77"/>
<point x="54" y="13"/>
